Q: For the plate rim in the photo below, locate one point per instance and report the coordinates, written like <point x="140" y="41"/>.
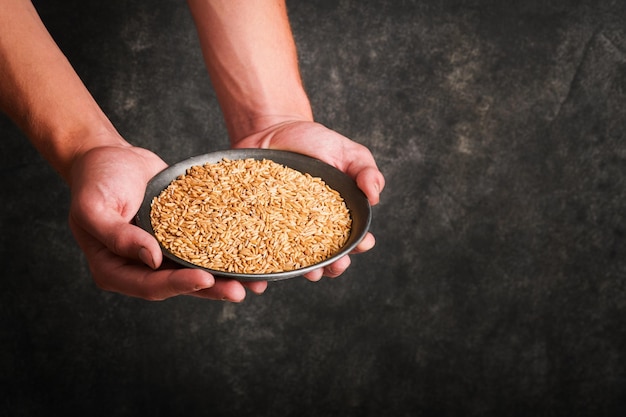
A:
<point x="142" y="217"/>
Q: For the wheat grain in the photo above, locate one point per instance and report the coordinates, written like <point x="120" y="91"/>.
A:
<point x="250" y="216"/>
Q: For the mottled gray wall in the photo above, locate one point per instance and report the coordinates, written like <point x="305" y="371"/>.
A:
<point x="498" y="284"/>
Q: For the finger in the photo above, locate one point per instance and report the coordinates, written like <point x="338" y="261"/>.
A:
<point x="337" y="268"/>
<point x="123" y="239"/>
<point x="112" y="272"/>
<point x="371" y="181"/>
<point x="367" y="243"/>
<point x="224" y="290"/>
<point x="140" y="281"/>
<point x="315" y="275"/>
<point x="130" y="241"/>
<point x="257" y="287"/>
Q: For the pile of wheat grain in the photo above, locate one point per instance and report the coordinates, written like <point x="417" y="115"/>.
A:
<point x="250" y="216"/>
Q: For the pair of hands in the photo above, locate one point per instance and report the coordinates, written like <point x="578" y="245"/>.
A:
<point x="108" y="184"/>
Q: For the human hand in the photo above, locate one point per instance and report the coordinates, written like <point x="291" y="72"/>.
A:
<point x="108" y="185"/>
<point x="315" y="140"/>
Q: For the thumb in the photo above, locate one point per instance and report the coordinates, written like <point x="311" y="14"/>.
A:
<point x="122" y="238"/>
<point x="371" y="181"/>
<point x="130" y="241"/>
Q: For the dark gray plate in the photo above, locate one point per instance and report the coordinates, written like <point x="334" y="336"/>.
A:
<point x="354" y="198"/>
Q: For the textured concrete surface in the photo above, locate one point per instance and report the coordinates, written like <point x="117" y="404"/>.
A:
<point x="498" y="284"/>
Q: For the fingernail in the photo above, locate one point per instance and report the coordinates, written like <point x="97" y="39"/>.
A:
<point x="379" y="187"/>
<point x="146" y="258"/>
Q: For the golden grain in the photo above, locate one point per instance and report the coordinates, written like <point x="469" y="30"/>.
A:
<point x="250" y="216"/>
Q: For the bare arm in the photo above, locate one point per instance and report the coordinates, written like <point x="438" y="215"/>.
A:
<point x="251" y="57"/>
<point x="42" y="93"/>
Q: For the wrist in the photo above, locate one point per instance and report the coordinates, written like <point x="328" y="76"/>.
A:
<point x="281" y="107"/>
<point x="63" y="150"/>
<point x="260" y="124"/>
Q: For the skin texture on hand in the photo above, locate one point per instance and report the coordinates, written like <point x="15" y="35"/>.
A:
<point x="315" y="140"/>
<point x="108" y="185"/>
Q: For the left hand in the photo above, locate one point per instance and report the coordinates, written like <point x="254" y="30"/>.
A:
<point x="317" y="141"/>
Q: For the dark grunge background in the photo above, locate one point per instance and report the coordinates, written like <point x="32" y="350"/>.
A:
<point x="498" y="284"/>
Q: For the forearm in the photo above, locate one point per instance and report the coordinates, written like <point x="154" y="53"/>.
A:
<point x="42" y="93"/>
<point x="251" y="57"/>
